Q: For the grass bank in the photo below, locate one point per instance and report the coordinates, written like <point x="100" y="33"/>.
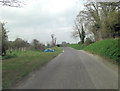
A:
<point x="108" y="48"/>
<point x="15" y="69"/>
<point x="77" y="46"/>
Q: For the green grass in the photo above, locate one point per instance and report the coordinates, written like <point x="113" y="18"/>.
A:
<point x="8" y="56"/>
<point x="13" y="54"/>
<point x="108" y="48"/>
<point x="77" y="46"/>
<point x="0" y="57"/>
<point x="15" y="69"/>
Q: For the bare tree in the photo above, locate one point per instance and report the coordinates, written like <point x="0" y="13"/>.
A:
<point x="19" y="43"/>
<point x="76" y="32"/>
<point x="37" y="45"/>
<point x="12" y="3"/>
<point x="102" y="19"/>
<point x="79" y="29"/>
<point x="52" y="36"/>
<point x="55" y="41"/>
<point x="48" y="44"/>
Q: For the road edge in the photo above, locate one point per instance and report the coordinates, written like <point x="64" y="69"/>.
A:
<point x="107" y="62"/>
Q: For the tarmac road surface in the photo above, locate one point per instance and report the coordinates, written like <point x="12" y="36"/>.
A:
<point x="73" y="69"/>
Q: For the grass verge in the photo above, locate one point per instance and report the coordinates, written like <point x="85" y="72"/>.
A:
<point x="108" y="48"/>
<point x="15" y="69"/>
<point x="77" y="46"/>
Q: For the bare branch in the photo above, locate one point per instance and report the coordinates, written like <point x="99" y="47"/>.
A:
<point x="12" y="3"/>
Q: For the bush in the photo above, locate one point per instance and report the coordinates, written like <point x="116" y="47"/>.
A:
<point x="79" y="42"/>
<point x="88" y="41"/>
<point x="9" y="56"/>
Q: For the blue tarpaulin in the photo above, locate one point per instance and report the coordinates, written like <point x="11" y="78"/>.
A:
<point x="48" y="50"/>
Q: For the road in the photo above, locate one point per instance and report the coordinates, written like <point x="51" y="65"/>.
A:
<point x="73" y="70"/>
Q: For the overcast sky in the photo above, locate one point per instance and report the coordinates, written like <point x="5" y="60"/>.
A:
<point x="38" y="19"/>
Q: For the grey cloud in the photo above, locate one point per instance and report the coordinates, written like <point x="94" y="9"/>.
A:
<point x="35" y="23"/>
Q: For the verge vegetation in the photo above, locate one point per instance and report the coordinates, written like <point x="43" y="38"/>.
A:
<point x="15" y="69"/>
<point x="108" y="48"/>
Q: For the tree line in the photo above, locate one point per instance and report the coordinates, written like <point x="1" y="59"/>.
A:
<point x="99" y="19"/>
<point x="17" y="44"/>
